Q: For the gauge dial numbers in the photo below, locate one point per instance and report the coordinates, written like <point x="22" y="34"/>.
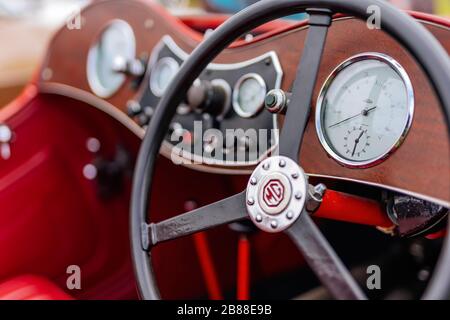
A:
<point x="116" y="41"/>
<point x="365" y="110"/>
<point x="249" y="94"/>
<point x="356" y="142"/>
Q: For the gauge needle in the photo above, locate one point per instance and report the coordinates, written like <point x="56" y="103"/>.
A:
<point x="356" y="143"/>
<point x="364" y="112"/>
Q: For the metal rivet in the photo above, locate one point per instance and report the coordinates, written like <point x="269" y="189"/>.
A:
<point x="93" y="145"/>
<point x="298" y="195"/>
<point x="295" y="175"/>
<point x="274" y="224"/>
<point x="258" y="218"/>
<point x="282" y="163"/>
<point x="289" y="215"/>
<point x="253" y="181"/>
<point x="266" y="166"/>
<point x="251" y="201"/>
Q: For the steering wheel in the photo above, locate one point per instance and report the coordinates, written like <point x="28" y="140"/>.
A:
<point x="286" y="213"/>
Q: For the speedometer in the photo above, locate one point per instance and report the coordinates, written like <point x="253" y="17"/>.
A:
<point x="365" y="110"/>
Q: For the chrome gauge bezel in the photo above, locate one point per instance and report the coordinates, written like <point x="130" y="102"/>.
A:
<point x="397" y="67"/>
<point x="237" y="90"/>
<point x="92" y="72"/>
<point x="172" y="64"/>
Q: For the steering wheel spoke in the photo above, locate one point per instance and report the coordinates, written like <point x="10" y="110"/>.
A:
<point x="299" y="107"/>
<point x="323" y="260"/>
<point x="216" y="214"/>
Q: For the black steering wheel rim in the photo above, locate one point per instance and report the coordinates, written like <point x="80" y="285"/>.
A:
<point x="415" y="38"/>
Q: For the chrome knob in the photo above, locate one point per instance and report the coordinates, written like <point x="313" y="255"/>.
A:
<point x="276" y="101"/>
<point x="209" y="96"/>
<point x="132" y="67"/>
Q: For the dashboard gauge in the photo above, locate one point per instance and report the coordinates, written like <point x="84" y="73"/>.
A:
<point x="117" y="41"/>
<point x="249" y="94"/>
<point x="162" y="74"/>
<point x="365" y="110"/>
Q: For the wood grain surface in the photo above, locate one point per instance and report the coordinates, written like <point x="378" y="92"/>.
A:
<point x="421" y="165"/>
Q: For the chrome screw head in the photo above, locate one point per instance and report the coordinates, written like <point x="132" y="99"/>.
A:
<point x="274" y="224"/>
<point x="258" y="218"/>
<point x="295" y="175"/>
<point x="282" y="163"/>
<point x="266" y="166"/>
<point x="253" y="181"/>
<point x="298" y="195"/>
<point x="250" y="201"/>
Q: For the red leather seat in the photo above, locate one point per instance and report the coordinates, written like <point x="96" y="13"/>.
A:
<point x="30" y="287"/>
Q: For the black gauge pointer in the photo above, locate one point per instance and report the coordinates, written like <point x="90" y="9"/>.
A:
<point x="365" y="112"/>
<point x="356" y="142"/>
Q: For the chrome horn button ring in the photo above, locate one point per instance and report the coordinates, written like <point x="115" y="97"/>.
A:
<point x="276" y="194"/>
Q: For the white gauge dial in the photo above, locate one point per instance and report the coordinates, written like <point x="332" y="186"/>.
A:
<point x="162" y="74"/>
<point x="365" y="110"/>
<point x="249" y="94"/>
<point x="117" y="41"/>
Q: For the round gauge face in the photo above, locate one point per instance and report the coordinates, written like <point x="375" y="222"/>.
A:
<point x="117" y="41"/>
<point x="162" y="74"/>
<point x="249" y="94"/>
<point x="365" y="110"/>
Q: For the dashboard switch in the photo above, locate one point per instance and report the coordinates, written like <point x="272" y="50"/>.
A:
<point x="209" y="96"/>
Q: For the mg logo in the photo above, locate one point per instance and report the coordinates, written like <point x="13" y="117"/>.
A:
<point x="273" y="193"/>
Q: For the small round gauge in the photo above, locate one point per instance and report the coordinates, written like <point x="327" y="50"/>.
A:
<point x="365" y="110"/>
<point x="162" y="74"/>
<point x="117" y="41"/>
<point x="249" y="94"/>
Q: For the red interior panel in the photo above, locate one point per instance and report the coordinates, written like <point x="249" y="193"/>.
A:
<point x="53" y="217"/>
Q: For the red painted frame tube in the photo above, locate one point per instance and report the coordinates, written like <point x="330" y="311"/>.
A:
<point x="207" y="266"/>
<point x="243" y="269"/>
<point x="349" y="208"/>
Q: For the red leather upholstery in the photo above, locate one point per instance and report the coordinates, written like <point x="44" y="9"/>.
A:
<point x="29" y="287"/>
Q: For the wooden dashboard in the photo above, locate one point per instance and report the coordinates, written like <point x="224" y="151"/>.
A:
<point x="420" y="166"/>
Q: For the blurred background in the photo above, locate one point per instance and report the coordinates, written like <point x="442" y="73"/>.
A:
<point x="26" y="26"/>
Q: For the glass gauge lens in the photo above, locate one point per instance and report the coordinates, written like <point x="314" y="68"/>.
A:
<point x="365" y="110"/>
<point x="117" y="41"/>
<point x="249" y="94"/>
<point x="162" y="74"/>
